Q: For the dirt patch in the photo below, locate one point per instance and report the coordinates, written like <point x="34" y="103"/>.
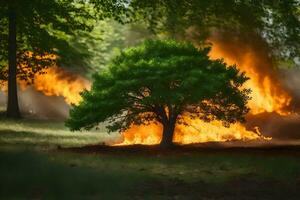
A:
<point x="207" y="148"/>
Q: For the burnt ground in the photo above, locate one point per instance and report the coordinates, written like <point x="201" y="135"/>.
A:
<point x="208" y="148"/>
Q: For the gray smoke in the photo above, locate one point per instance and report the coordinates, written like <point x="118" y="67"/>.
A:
<point x="36" y="105"/>
<point x="283" y="128"/>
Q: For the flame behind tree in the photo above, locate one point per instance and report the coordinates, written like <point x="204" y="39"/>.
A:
<point x="268" y="94"/>
<point x="163" y="82"/>
<point x="56" y="81"/>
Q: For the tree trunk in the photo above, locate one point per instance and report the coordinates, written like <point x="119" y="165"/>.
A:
<point x="12" y="101"/>
<point x="168" y="132"/>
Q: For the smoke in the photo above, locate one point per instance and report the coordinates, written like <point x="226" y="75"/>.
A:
<point x="50" y="96"/>
<point x="283" y="127"/>
<point x="36" y="105"/>
<point x="41" y="106"/>
<point x="291" y="81"/>
<point x="276" y="126"/>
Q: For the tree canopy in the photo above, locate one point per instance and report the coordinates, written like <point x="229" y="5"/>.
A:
<point x="275" y="23"/>
<point x="162" y="81"/>
<point x="103" y="42"/>
<point x="42" y="28"/>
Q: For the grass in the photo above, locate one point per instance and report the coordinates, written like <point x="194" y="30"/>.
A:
<point x="50" y="134"/>
<point x="31" y="167"/>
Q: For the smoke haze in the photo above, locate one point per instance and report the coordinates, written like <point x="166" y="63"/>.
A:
<point x="36" y="105"/>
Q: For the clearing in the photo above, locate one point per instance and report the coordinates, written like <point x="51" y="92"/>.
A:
<point x="35" y="164"/>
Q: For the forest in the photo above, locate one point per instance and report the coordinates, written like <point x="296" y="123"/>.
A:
<point x="149" y="99"/>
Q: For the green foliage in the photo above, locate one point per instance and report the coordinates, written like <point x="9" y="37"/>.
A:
<point x="46" y="27"/>
<point x="101" y="44"/>
<point x="274" y="22"/>
<point x="159" y="81"/>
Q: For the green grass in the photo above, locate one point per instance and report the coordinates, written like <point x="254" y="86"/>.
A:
<point x="51" y="134"/>
<point x="32" y="168"/>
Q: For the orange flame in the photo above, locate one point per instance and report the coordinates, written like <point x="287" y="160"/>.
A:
<point x="55" y="81"/>
<point x="196" y="132"/>
<point x="58" y="82"/>
<point x="267" y="96"/>
<point x="52" y="81"/>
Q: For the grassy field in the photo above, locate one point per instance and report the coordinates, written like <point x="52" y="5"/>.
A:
<point x="34" y="164"/>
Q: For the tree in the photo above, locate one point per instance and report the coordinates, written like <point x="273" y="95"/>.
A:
<point x="103" y="43"/>
<point x="162" y="82"/>
<point x="274" y="23"/>
<point x="33" y="28"/>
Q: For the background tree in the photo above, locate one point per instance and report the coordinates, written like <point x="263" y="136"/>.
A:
<point x="162" y="81"/>
<point x="35" y="29"/>
<point x="272" y="23"/>
<point x="102" y="43"/>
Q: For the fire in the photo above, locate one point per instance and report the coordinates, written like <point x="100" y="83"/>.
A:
<point x="52" y="81"/>
<point x="267" y="96"/>
<point x="55" y="81"/>
<point x="58" y="82"/>
<point x="150" y="134"/>
<point x="196" y="132"/>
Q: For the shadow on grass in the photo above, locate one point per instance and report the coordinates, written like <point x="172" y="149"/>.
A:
<point x="29" y="175"/>
<point x="115" y="175"/>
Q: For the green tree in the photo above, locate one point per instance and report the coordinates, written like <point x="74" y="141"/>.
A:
<point x="160" y="81"/>
<point x="274" y="23"/>
<point x="34" y="29"/>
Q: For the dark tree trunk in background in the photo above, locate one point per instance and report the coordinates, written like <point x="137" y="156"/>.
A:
<point x="12" y="102"/>
<point x="168" y="133"/>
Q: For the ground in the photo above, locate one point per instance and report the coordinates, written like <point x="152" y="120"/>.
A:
<point x="42" y="160"/>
